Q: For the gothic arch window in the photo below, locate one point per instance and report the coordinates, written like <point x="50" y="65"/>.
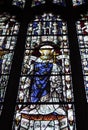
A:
<point x="82" y="32"/>
<point x="46" y="75"/>
<point x="9" y="28"/>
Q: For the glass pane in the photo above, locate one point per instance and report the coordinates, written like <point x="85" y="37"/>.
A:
<point x="59" y="2"/>
<point x="9" y="28"/>
<point x="37" y="2"/>
<point x="3" y="85"/>
<point x="57" y="49"/>
<point x="78" y="2"/>
<point x="46" y="77"/>
<point x="82" y="31"/>
<point x="19" y="3"/>
<point x="44" y="117"/>
<point x="58" y="78"/>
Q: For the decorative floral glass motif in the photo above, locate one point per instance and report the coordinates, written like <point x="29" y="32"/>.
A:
<point x="46" y="78"/>
<point x="9" y="28"/>
<point x="59" y="2"/>
<point x="37" y="2"/>
<point x="78" y="2"/>
<point x="19" y="3"/>
<point x="82" y="31"/>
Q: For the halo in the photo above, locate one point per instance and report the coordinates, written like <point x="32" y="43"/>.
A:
<point x="46" y="45"/>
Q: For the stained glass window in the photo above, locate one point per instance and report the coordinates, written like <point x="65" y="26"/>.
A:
<point x="37" y="2"/>
<point x="82" y="31"/>
<point x="46" y="78"/>
<point x="19" y="3"/>
<point x="9" y="28"/>
<point x="78" y="2"/>
<point x="59" y="2"/>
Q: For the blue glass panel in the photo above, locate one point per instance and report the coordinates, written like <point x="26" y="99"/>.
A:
<point x="46" y="27"/>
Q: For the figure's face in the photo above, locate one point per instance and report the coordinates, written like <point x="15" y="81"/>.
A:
<point x="46" y="50"/>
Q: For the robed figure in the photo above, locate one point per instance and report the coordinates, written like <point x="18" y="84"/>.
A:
<point x="46" y="76"/>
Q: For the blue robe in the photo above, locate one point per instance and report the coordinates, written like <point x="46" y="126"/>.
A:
<point x="40" y="85"/>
